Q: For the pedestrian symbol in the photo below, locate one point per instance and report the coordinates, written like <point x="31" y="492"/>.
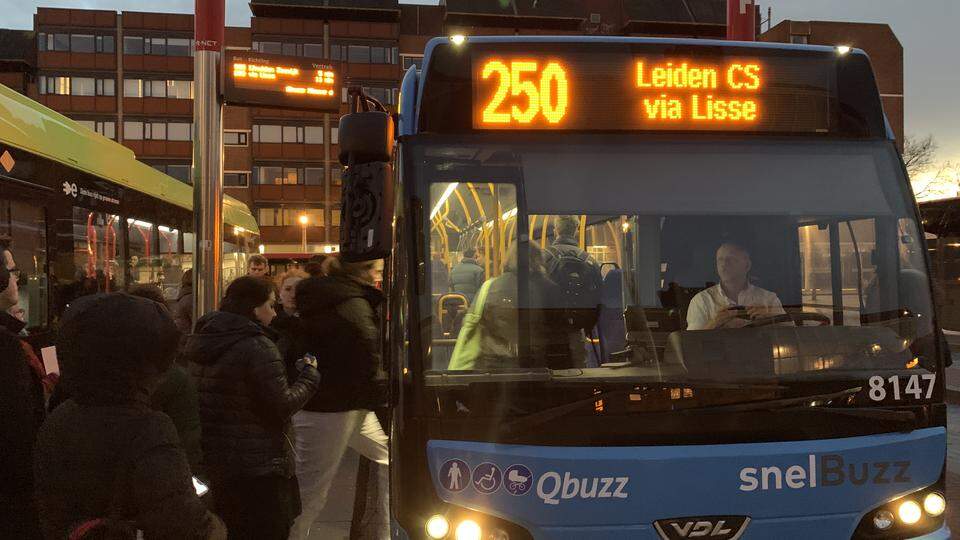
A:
<point x="454" y="474"/>
<point x="487" y="478"/>
<point x="518" y="479"/>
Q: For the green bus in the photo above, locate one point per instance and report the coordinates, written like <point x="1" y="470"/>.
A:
<point x="82" y="215"/>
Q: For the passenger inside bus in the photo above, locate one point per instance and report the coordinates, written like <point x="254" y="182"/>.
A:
<point x="734" y="301"/>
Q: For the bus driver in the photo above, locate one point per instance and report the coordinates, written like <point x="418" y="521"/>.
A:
<point x="723" y="305"/>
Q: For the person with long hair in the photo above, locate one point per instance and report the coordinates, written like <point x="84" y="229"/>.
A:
<point x="340" y="326"/>
<point x="245" y="409"/>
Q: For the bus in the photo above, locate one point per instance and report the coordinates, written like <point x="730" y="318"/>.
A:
<point x="81" y="215"/>
<point x="746" y="346"/>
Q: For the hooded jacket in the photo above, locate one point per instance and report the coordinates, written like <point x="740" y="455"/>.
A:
<point x="339" y="325"/>
<point x="104" y="453"/>
<point x="245" y="400"/>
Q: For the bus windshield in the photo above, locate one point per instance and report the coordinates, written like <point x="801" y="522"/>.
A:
<point x="605" y="258"/>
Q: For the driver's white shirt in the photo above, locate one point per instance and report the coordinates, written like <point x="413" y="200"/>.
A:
<point x="708" y="302"/>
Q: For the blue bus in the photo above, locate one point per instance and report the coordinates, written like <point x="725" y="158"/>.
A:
<point x="653" y="288"/>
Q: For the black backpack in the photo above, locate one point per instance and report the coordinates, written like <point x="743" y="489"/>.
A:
<point x="578" y="281"/>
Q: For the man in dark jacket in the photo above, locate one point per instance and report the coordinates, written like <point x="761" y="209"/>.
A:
<point x="245" y="409"/>
<point x="104" y="453"/>
<point x="467" y="276"/>
<point x="21" y="413"/>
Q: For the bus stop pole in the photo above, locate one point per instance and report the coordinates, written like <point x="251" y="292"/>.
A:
<point x="207" y="170"/>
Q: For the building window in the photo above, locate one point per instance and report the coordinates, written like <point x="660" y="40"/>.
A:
<point x="178" y="46"/>
<point x="156" y="131"/>
<point x="334" y="135"/>
<point x="236" y="179"/>
<point x="180" y="89"/>
<point x="291" y="49"/>
<point x="358" y="54"/>
<point x="313" y="134"/>
<point x="133" y="88"/>
<point x="106" y="87"/>
<point x="180" y="172"/>
<point x="272" y="175"/>
<point x="313" y="176"/>
<point x="179" y="131"/>
<point x="133" y="130"/>
<point x="54" y="85"/>
<point x="267" y="134"/>
<point x="83" y="43"/>
<point x="336" y="175"/>
<point x="105" y="44"/>
<point x="292" y="134"/>
<point x="155" y="88"/>
<point x="386" y="96"/>
<point x="314" y="216"/>
<point x="155" y="46"/>
<point x="268" y="216"/>
<point x="335" y="217"/>
<point x="412" y="60"/>
<point x="799" y="39"/>
<point x="235" y="138"/>
<point x="61" y="42"/>
<point x="132" y="45"/>
<point x="313" y="50"/>
<point x="269" y="47"/>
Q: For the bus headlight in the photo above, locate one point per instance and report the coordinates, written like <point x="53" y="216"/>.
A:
<point x="934" y="504"/>
<point x="909" y="512"/>
<point x="437" y="527"/>
<point x="883" y="520"/>
<point x="468" y="530"/>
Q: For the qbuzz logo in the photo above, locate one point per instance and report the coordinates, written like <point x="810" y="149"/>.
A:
<point x="70" y="189"/>
<point x="712" y="527"/>
<point x="552" y="487"/>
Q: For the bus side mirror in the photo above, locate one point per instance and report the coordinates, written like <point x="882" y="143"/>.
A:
<point x="366" y="149"/>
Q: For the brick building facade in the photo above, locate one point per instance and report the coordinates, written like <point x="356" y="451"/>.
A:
<point x="128" y="76"/>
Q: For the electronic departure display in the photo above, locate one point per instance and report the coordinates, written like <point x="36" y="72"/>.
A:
<point x="650" y="91"/>
<point x="291" y="82"/>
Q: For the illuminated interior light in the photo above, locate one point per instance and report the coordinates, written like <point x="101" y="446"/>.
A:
<point x="843" y="49"/>
<point x="458" y="39"/>
<point x="443" y="198"/>
<point x="934" y="504"/>
<point x="909" y="512"/>
<point x="262" y="249"/>
<point x="437" y="527"/>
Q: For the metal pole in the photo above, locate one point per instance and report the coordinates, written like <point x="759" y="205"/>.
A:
<point x="207" y="157"/>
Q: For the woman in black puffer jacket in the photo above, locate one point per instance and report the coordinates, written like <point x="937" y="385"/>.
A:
<point x="339" y="324"/>
<point x="245" y="409"/>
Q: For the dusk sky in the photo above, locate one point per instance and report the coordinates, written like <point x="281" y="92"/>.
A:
<point x="924" y="27"/>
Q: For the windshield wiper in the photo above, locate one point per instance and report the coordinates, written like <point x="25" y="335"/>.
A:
<point x="544" y="416"/>
<point x="817" y="403"/>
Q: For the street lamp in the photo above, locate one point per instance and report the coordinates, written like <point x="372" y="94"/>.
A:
<point x="303" y="227"/>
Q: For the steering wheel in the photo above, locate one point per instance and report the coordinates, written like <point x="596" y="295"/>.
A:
<point x="800" y="316"/>
<point x="768" y="321"/>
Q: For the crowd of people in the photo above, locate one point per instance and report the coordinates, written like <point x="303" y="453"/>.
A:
<point x="257" y="401"/>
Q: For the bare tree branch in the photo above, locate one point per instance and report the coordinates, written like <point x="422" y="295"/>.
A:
<point x="918" y="154"/>
<point x="944" y="183"/>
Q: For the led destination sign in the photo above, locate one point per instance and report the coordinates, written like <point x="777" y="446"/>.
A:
<point x="281" y="81"/>
<point x="635" y="91"/>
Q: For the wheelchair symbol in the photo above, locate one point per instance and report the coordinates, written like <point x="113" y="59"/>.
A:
<point x="487" y="478"/>
<point x="519" y="479"/>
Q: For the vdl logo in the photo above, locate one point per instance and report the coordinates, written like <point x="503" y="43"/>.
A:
<point x="713" y="527"/>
